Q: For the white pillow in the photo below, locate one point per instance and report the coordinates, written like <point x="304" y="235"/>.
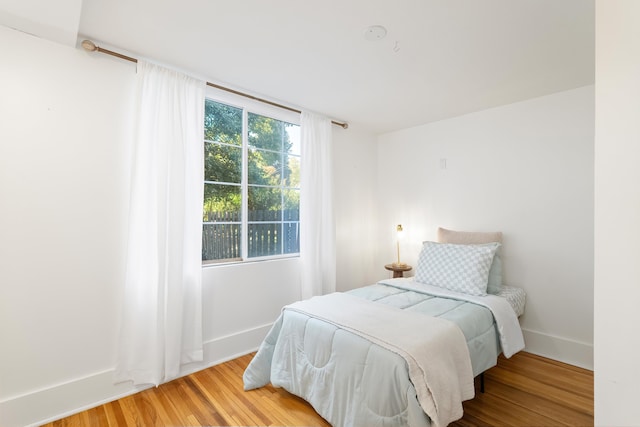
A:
<point x="460" y="268"/>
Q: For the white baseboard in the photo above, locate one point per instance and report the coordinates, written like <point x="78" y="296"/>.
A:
<point x="61" y="400"/>
<point x="557" y="348"/>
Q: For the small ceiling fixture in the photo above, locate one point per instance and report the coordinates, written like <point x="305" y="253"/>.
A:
<point x="375" y="32"/>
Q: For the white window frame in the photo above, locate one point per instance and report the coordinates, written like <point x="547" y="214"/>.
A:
<point x="248" y="106"/>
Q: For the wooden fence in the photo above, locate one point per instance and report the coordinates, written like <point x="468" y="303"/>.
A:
<point x="221" y="234"/>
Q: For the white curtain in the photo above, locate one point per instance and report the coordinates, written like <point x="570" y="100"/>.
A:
<point x="317" y="224"/>
<point x="162" y="313"/>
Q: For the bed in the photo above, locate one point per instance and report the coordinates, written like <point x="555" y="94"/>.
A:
<point x="401" y="352"/>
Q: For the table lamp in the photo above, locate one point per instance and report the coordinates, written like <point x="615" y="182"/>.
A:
<point x="399" y="233"/>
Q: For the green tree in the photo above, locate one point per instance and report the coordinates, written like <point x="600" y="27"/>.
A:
<point x="222" y="159"/>
<point x="269" y="144"/>
<point x="268" y="167"/>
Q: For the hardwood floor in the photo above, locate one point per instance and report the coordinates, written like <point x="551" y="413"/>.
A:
<point x="526" y="390"/>
<point x="529" y="390"/>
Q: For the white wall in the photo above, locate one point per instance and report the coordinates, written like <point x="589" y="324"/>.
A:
<point x="617" y="213"/>
<point x="525" y="169"/>
<point x="64" y="155"/>
<point x="63" y="160"/>
<point x="354" y="157"/>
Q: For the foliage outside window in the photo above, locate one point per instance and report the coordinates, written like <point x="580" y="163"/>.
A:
<point x="251" y="185"/>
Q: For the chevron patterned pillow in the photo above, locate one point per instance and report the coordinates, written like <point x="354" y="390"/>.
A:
<point x="460" y="268"/>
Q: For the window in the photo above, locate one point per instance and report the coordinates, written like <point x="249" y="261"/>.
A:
<point x="251" y="185"/>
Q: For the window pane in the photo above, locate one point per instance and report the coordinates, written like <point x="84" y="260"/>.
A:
<point x="221" y="242"/>
<point x="291" y="237"/>
<point x="293" y="143"/>
<point x="222" y="163"/>
<point x="265" y="204"/>
<point x="222" y="123"/>
<point x="292" y="171"/>
<point x="266" y="133"/>
<point x="291" y="211"/>
<point x="222" y="203"/>
<point x="264" y="240"/>
<point x="265" y="167"/>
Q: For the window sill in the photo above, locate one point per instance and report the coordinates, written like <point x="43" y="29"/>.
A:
<point x="227" y="263"/>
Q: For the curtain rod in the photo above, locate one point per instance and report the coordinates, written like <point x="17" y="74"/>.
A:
<point x="90" y="46"/>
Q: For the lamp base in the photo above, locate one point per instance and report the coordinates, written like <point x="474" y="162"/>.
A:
<point x="399" y="264"/>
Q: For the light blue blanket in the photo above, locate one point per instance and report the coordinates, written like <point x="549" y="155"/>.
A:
<point x="349" y="380"/>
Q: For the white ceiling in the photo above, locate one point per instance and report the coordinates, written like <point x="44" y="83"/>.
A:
<point x="440" y="59"/>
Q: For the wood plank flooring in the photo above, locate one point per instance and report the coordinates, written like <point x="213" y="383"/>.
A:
<point x="529" y="390"/>
<point x="526" y="390"/>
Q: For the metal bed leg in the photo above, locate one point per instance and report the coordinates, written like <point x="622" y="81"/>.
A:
<point x="482" y="382"/>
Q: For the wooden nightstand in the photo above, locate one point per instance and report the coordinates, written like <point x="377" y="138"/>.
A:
<point x="398" y="270"/>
